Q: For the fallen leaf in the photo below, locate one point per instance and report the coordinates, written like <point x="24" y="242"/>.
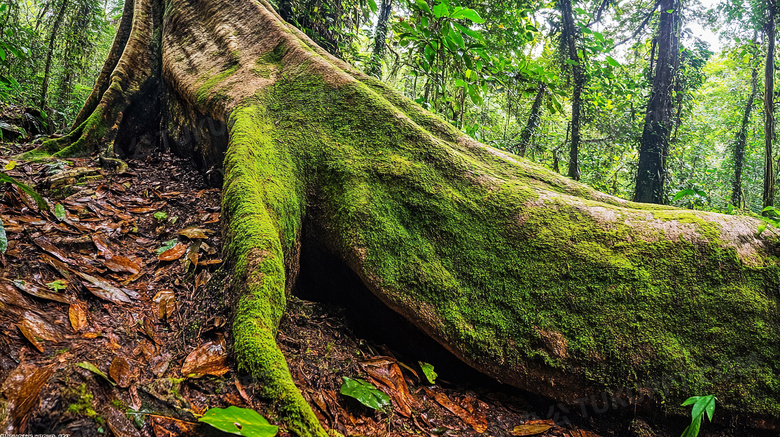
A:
<point x="192" y="255"/>
<point x="208" y="359"/>
<point x="27" y="396"/>
<point x="532" y="427"/>
<point x="104" y="289"/>
<point x="210" y="262"/>
<point x="11" y="165"/>
<point x="102" y="246"/>
<point x="173" y="253"/>
<point x="120" y="371"/>
<point x="166" y="301"/>
<point x="121" y="264"/>
<point x="91" y="367"/>
<point x="387" y="371"/>
<point x="77" y="313"/>
<point x="119" y="424"/>
<point x="36" y="329"/>
<point x="170" y="427"/>
<point x="39" y="292"/>
<point x="478" y="425"/>
<point x="195" y="233"/>
<point x="203" y="278"/>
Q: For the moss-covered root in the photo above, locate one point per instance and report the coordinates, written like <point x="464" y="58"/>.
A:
<point x="132" y="72"/>
<point x="263" y="205"/>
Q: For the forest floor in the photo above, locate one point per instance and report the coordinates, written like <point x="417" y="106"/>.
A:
<point x="114" y="320"/>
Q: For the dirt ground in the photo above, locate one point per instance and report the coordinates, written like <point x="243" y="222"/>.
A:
<point x="115" y="321"/>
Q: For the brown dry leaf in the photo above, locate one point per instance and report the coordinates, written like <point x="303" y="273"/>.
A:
<point x="210" y="262"/>
<point x="32" y="382"/>
<point x="444" y="401"/>
<point x="121" y="264"/>
<point x="166" y="300"/>
<point x="36" y="329"/>
<point x="192" y="254"/>
<point x="195" y="233"/>
<point x="387" y="371"/>
<point x="149" y="329"/>
<point x="39" y="292"/>
<point x="159" y="363"/>
<point x="78" y="315"/>
<point x="170" y="427"/>
<point x="143" y="210"/>
<point x="582" y="433"/>
<point x="10" y="296"/>
<point x="208" y="359"/>
<point x="104" y="289"/>
<point x="53" y="250"/>
<point x="203" y="278"/>
<point x="120" y="425"/>
<point x="120" y="371"/>
<point x="102" y="245"/>
<point x="173" y="253"/>
<point x="532" y="427"/>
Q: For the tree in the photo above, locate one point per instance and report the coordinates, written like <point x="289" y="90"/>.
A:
<point x="769" y="106"/>
<point x="654" y="148"/>
<point x="569" y="43"/>
<point x="380" y="39"/>
<point x="534" y="279"/>
<point x="741" y="139"/>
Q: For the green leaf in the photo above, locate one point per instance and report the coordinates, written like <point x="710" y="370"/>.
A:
<point x="58" y="285"/>
<point x="468" y="14"/>
<point x="441" y="10"/>
<point x="160" y="215"/>
<point x="700" y="405"/>
<point x="166" y="246"/>
<point x="427" y="369"/>
<point x="458" y="38"/>
<point x="472" y="33"/>
<point x="682" y="193"/>
<point x="3" y="238"/>
<point x="239" y="421"/>
<point x="613" y="62"/>
<point x="42" y="205"/>
<point x="59" y="212"/>
<point x="423" y="5"/>
<point x="474" y="94"/>
<point x="761" y="228"/>
<point x="89" y="366"/>
<point x="2" y="54"/>
<point x="372" y="5"/>
<point x="365" y="393"/>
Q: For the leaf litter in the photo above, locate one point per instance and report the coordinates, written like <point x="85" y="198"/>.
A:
<point x="121" y="316"/>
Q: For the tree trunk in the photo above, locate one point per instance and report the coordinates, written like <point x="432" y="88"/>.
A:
<point x="578" y="74"/>
<point x="741" y="141"/>
<point x="769" y="109"/>
<point x="528" y="276"/>
<point x="52" y="39"/>
<point x="533" y="120"/>
<point x="654" y="147"/>
<point x="380" y="39"/>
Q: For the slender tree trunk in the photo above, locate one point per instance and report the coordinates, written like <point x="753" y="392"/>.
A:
<point x="380" y="39"/>
<point x="741" y="141"/>
<point x="769" y="110"/>
<point x="533" y="120"/>
<point x="659" y="119"/>
<point x="578" y="74"/>
<point x="52" y="39"/>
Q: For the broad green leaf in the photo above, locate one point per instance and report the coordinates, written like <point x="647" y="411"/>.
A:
<point x="59" y="212"/>
<point x="2" y="54"/>
<point x="423" y="5"/>
<point x="472" y="33"/>
<point x="372" y="5"/>
<point x="468" y="14"/>
<point x="761" y="228"/>
<point x="613" y="62"/>
<point x="160" y="215"/>
<point x="166" y="246"/>
<point x="458" y="38"/>
<point x="239" y="421"/>
<point x="476" y="98"/>
<point x="700" y="405"/>
<point x="427" y="369"/>
<point x="42" y="205"/>
<point x="682" y="193"/>
<point x="441" y="10"/>
<point x="91" y="367"/>
<point x="3" y="238"/>
<point x="365" y="393"/>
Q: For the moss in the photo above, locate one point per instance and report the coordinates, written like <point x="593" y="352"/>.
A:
<point x="455" y="228"/>
<point x="206" y="91"/>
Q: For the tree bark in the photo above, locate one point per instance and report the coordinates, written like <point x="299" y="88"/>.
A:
<point x="52" y="39"/>
<point x="651" y="173"/>
<point x="380" y="39"/>
<point x="741" y="141"/>
<point x="578" y="74"/>
<point x="768" y="197"/>
<point x="533" y="121"/>
<point x="528" y="276"/>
